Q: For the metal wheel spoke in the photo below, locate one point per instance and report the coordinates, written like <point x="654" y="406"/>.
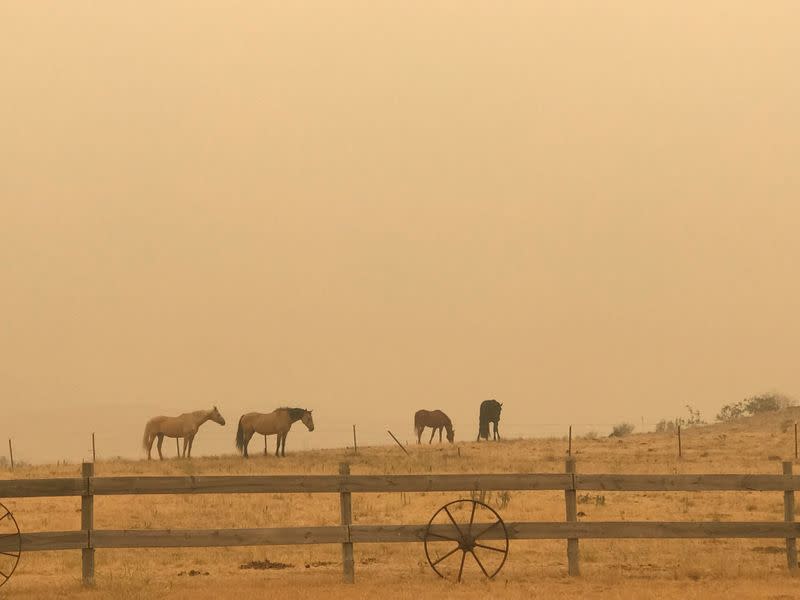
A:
<point x="4" y="575"/>
<point x="441" y="558"/>
<point x="488" y="529"/>
<point x="471" y="518"/>
<point x="5" y="515"/>
<point x="480" y="564"/>
<point x="460" y="533"/>
<point x="461" y="568"/>
<point x="9" y="554"/>
<point x="490" y="548"/>
<point x="444" y="537"/>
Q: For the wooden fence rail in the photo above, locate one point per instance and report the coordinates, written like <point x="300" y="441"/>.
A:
<point x="89" y="539"/>
<point x="356" y="484"/>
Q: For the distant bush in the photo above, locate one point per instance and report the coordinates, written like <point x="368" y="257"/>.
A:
<point x="621" y="430"/>
<point x="590" y="435"/>
<point x="664" y="426"/>
<point x="669" y="426"/>
<point x="753" y="406"/>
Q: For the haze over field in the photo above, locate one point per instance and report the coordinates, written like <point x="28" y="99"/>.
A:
<point x="587" y="211"/>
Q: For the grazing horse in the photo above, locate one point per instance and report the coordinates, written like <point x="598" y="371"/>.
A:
<point x="184" y="426"/>
<point x="279" y="421"/>
<point x="490" y="413"/>
<point x="436" y="420"/>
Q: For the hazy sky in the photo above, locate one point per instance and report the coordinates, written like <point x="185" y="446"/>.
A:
<point x="587" y="210"/>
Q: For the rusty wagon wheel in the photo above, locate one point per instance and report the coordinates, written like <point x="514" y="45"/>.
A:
<point x="466" y="527"/>
<point x="10" y="544"/>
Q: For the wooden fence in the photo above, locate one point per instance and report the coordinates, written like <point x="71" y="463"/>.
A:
<point x="88" y="539"/>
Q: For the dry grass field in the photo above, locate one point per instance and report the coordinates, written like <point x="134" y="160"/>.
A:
<point x="612" y="569"/>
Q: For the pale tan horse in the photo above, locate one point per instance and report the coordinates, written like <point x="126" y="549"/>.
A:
<point x="279" y="422"/>
<point x="184" y="426"/>
<point x="436" y="420"/>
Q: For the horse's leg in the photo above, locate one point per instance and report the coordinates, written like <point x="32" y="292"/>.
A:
<point x="496" y="430"/>
<point x="158" y="446"/>
<point x="433" y="432"/>
<point x="283" y="444"/>
<point x="419" y="434"/>
<point x="191" y="443"/>
<point x="150" y="440"/>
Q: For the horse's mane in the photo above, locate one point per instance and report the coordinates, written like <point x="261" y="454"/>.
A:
<point x="294" y="413"/>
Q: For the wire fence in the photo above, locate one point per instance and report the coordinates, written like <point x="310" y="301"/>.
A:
<point x="76" y="444"/>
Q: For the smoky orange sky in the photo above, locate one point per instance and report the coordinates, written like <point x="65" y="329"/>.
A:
<point x="587" y="210"/>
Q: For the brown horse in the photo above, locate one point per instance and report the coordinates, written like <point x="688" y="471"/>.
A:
<point x="184" y="426"/>
<point x="436" y="420"/>
<point x="489" y="413"/>
<point x="279" y="422"/>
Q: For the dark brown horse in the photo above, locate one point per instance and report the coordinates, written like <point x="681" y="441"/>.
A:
<point x="490" y="413"/>
<point x="436" y="420"/>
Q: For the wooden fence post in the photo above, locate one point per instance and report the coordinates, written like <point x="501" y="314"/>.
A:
<point x="571" y="500"/>
<point x="795" y="439"/>
<point x="87" y="524"/>
<point x="355" y="443"/>
<point x="11" y="453"/>
<point x="788" y="516"/>
<point x="345" y="502"/>
<point x="94" y="452"/>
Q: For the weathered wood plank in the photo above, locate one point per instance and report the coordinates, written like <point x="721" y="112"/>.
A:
<point x="457" y="483"/>
<point x="19" y="488"/>
<point x="596" y="530"/>
<point x="190" y="538"/>
<point x="187" y="538"/>
<point x="686" y="483"/>
<point x="221" y="484"/>
<point x="325" y="483"/>
<point x="46" y="540"/>
<point x="33" y="488"/>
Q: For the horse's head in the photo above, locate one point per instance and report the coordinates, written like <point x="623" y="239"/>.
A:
<point x="216" y="417"/>
<point x="308" y="420"/>
<point x="451" y="435"/>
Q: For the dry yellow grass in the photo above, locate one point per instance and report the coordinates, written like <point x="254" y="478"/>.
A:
<point x="613" y="569"/>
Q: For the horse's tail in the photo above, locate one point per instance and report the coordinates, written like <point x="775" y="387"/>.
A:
<point x="240" y="436"/>
<point x="483" y="428"/>
<point x="483" y="421"/>
<point x="418" y="421"/>
<point x="147" y="438"/>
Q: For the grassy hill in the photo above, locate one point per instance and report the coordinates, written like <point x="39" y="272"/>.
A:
<point x="626" y="568"/>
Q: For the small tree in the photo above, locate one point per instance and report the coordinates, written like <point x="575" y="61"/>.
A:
<point x="753" y="406"/>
